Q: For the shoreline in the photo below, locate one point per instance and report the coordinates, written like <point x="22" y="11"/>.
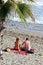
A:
<point x="22" y="32"/>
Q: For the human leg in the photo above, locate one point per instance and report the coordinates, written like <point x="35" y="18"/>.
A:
<point x="26" y="50"/>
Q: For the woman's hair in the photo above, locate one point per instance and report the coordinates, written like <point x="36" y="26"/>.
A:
<point x="17" y="39"/>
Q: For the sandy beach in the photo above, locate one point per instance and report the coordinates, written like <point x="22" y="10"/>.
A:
<point x="10" y="58"/>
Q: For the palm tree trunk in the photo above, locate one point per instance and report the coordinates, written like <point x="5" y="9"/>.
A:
<point x="1" y="26"/>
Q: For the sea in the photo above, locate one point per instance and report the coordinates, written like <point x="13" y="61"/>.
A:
<point x="32" y="27"/>
<point x="29" y="27"/>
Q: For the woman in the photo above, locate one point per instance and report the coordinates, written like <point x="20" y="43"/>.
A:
<point x="17" y="44"/>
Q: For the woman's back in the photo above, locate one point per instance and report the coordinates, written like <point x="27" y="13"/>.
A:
<point x="17" y="44"/>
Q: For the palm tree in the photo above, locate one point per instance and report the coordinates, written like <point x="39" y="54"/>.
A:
<point x="22" y="9"/>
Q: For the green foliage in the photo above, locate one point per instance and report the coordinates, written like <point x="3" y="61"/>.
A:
<point x="25" y="11"/>
<point x="31" y="0"/>
<point x="29" y="12"/>
<point x="4" y="10"/>
<point x="21" y="6"/>
<point x="22" y="9"/>
<point x="1" y="2"/>
<point x="22" y="17"/>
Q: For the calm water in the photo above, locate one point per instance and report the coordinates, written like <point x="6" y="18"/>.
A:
<point x="25" y="27"/>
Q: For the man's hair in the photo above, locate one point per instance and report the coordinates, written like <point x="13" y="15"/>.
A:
<point x="26" y="38"/>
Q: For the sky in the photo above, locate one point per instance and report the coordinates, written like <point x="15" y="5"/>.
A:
<point x="39" y="14"/>
<point x="38" y="11"/>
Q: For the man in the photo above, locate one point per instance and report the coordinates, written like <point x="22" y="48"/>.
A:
<point x="26" y="46"/>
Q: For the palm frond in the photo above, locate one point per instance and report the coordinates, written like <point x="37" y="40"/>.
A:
<point x="17" y="7"/>
<point x="22" y="17"/>
<point x="29" y="12"/>
<point x="20" y="11"/>
<point x="1" y="2"/>
<point x="31" y="0"/>
<point x="21" y="8"/>
<point x="4" y="10"/>
<point x="25" y="10"/>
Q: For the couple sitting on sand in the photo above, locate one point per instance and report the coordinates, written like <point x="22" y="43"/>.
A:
<point x="25" y="46"/>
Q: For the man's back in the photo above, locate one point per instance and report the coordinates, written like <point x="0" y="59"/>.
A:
<point x="26" y="44"/>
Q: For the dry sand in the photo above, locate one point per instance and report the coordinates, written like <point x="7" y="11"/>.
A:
<point x="10" y="58"/>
